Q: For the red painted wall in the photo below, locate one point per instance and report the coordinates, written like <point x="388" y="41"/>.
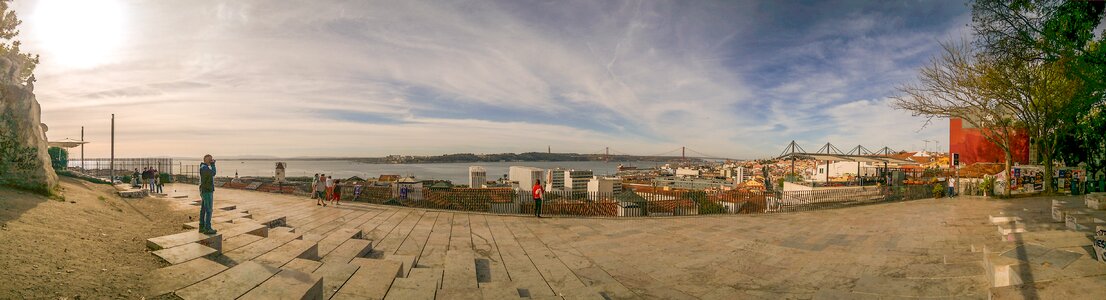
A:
<point x="973" y="147"/>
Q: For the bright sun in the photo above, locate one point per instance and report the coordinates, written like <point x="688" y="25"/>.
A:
<point x="80" y="33"/>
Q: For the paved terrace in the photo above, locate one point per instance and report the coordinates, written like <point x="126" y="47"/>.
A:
<point x="915" y="249"/>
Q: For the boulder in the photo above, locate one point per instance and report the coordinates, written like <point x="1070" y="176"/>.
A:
<point x="24" y="162"/>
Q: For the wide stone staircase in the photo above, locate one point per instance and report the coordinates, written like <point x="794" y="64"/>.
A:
<point x="1049" y="254"/>
<point x="315" y="254"/>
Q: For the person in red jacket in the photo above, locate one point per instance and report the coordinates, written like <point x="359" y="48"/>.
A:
<point x="538" y="191"/>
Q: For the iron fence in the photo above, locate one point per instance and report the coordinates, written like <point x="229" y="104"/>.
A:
<point x="632" y="202"/>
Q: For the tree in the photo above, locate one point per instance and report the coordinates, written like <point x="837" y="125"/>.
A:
<point x="59" y="158"/>
<point x="1048" y="67"/>
<point x="1041" y="95"/>
<point x="954" y="86"/>
<point x="9" y="46"/>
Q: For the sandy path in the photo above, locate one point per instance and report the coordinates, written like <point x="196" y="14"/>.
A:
<point x="90" y="246"/>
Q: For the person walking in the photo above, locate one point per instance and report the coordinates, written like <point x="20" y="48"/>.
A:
<point x="337" y="193"/>
<point x="320" y="190"/>
<point x="538" y="191"/>
<point x="314" y="182"/>
<point x="329" y="189"/>
<point x="207" y="193"/>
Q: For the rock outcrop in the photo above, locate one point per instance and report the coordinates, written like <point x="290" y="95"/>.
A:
<point x="24" y="161"/>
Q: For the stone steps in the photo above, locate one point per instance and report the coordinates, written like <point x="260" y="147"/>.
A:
<point x="260" y="247"/>
<point x="285" y="253"/>
<point x="499" y="290"/>
<point x="183" y="253"/>
<point x="336" y="238"/>
<point x="288" y="284"/>
<point x="191" y="236"/>
<point x="346" y="252"/>
<point x="240" y="241"/>
<point x="460" y="270"/>
<point x="371" y="281"/>
<point x="423" y="283"/>
<point x="168" y="279"/>
<point x="461" y="293"/>
<point x="303" y="265"/>
<point x="229" y="284"/>
<point x="334" y="276"/>
<point x="408" y="262"/>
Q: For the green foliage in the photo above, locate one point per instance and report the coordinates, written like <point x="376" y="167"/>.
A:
<point x="938" y="190"/>
<point x="59" y="158"/>
<point x="988" y="185"/>
<point x="706" y="206"/>
<point x="125" y="179"/>
<point x="165" y="178"/>
<point x="9" y="46"/>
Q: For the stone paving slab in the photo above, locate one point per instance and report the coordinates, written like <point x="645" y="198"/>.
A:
<point x="336" y="238"/>
<point x="334" y="276"/>
<point x="923" y="248"/>
<point x="290" y="285"/>
<point x="349" y="250"/>
<point x="168" y="279"/>
<point x="182" y="238"/>
<point x="371" y="281"/>
<point x="422" y="285"/>
<point x="229" y="284"/>
<point x="303" y="265"/>
<point x="289" y="251"/>
<point x="183" y="253"/>
<point x="408" y="262"/>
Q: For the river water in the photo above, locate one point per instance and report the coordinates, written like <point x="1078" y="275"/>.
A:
<point x="455" y="172"/>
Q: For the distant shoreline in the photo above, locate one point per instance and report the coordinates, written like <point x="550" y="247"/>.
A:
<point x="476" y="158"/>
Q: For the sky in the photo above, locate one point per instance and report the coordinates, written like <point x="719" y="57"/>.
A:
<point x="735" y="79"/>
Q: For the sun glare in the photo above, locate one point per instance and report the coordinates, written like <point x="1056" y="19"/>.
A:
<point x="79" y="34"/>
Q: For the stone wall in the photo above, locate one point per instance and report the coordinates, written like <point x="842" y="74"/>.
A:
<point x="24" y="162"/>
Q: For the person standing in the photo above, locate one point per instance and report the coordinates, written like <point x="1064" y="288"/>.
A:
<point x="207" y="193"/>
<point x="538" y="191"/>
<point x="137" y="178"/>
<point x="314" y="182"/>
<point x="952" y="188"/>
<point x="337" y="193"/>
<point x="320" y="190"/>
<point x="157" y="181"/>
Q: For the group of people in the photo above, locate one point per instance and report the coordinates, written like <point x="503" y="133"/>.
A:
<point x="326" y="189"/>
<point x="149" y="178"/>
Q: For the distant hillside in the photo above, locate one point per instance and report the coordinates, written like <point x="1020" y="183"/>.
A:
<point x="528" y="156"/>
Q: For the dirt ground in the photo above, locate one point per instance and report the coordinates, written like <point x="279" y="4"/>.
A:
<point x="89" y="246"/>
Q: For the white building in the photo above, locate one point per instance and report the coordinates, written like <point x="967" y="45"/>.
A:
<point x="603" y="186"/>
<point x="842" y="168"/>
<point x="524" y="176"/>
<point x="478" y="176"/>
<point x="688" y="172"/>
<point x="568" y="180"/>
<point x="737" y="173"/>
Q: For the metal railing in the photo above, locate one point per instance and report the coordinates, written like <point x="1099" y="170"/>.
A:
<point x="630" y="203"/>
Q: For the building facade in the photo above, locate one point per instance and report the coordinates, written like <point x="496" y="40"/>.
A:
<point x="569" y="180"/>
<point x="973" y="148"/>
<point x="524" y="176"/>
<point x="478" y="176"/>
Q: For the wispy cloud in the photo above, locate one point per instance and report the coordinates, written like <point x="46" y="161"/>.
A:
<point x="381" y="77"/>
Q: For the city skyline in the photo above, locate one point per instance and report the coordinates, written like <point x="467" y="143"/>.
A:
<point x="366" y="79"/>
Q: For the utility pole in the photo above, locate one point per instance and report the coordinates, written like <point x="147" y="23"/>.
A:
<point x="82" y="149"/>
<point x="112" y="165"/>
